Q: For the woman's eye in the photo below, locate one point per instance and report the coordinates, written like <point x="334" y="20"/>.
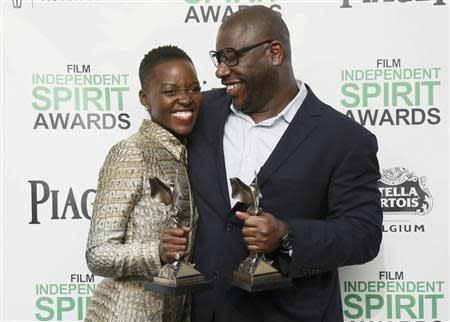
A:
<point x="195" y="89"/>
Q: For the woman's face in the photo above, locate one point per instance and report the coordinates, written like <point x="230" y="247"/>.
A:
<point x="173" y="95"/>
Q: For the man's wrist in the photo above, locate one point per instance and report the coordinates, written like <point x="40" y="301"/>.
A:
<point x="287" y="242"/>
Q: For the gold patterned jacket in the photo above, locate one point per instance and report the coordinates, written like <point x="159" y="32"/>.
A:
<point x="127" y="223"/>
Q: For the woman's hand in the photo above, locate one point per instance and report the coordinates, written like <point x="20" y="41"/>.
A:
<point x="173" y="241"/>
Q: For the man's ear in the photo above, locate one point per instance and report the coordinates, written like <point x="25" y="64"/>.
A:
<point x="276" y="52"/>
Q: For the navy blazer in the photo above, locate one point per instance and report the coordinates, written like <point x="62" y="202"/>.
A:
<point x="322" y="177"/>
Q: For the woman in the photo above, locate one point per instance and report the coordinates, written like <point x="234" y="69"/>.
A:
<point x="127" y="240"/>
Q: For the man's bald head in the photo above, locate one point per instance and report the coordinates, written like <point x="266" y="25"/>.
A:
<point x="262" y="21"/>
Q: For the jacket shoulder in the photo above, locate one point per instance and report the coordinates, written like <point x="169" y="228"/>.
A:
<point x="341" y="125"/>
<point x="214" y="104"/>
<point x="213" y="100"/>
<point x="214" y="94"/>
<point x="128" y="148"/>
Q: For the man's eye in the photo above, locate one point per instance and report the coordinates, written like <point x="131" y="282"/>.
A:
<point x="170" y="92"/>
<point x="228" y="55"/>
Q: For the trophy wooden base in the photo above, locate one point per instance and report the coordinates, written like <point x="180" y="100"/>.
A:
<point x="260" y="283"/>
<point x="261" y="277"/>
<point x="188" y="287"/>
<point x="186" y="280"/>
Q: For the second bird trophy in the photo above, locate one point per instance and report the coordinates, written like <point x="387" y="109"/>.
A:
<point x="255" y="273"/>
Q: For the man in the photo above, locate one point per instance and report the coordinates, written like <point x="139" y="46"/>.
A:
<point x="316" y="168"/>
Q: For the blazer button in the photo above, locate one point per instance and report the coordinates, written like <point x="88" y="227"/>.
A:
<point x="228" y="226"/>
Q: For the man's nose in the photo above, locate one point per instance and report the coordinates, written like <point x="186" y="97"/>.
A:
<point x="222" y="70"/>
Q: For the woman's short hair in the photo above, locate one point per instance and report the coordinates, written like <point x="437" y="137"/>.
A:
<point x="156" y="56"/>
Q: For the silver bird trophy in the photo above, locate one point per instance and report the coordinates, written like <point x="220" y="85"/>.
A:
<point x="180" y="276"/>
<point x="255" y="273"/>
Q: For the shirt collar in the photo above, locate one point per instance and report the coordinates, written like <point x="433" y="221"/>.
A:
<point x="163" y="137"/>
<point x="292" y="108"/>
<point x="287" y="114"/>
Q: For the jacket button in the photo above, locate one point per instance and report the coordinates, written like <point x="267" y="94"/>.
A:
<point x="228" y="226"/>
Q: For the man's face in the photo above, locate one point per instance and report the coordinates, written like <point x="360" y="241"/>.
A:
<point x="252" y="82"/>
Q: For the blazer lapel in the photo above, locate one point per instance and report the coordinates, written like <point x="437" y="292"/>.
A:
<point x="217" y="143"/>
<point x="302" y="125"/>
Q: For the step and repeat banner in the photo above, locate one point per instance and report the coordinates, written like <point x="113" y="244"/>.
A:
<point x="70" y="91"/>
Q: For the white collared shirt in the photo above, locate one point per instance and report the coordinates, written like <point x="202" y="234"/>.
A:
<point x="247" y="145"/>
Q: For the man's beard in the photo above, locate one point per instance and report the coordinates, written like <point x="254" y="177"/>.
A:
<point x="256" y="100"/>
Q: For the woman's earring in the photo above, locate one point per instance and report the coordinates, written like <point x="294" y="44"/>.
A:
<point x="147" y="107"/>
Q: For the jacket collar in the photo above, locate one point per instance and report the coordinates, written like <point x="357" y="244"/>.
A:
<point x="304" y="122"/>
<point x="164" y="137"/>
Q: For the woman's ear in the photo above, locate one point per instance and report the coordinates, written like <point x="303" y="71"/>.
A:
<point x="144" y="100"/>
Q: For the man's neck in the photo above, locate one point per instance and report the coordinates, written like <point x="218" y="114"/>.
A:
<point x="280" y="100"/>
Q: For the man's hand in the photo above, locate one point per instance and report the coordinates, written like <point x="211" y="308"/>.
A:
<point x="263" y="233"/>
<point x="173" y="241"/>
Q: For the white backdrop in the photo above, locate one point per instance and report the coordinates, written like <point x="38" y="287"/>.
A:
<point x="69" y="91"/>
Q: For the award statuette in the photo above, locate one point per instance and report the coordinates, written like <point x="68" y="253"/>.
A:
<point x="255" y="273"/>
<point x="180" y="276"/>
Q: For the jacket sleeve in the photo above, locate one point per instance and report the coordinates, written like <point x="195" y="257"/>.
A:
<point x="351" y="232"/>
<point x="120" y="185"/>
